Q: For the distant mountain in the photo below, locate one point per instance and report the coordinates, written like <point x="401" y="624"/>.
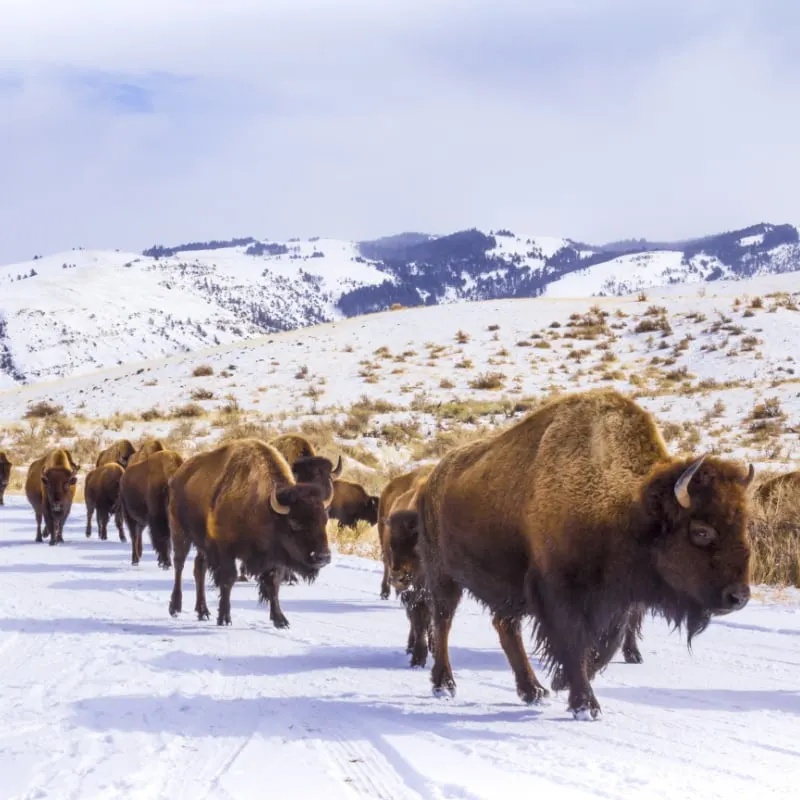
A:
<point x="84" y="310"/>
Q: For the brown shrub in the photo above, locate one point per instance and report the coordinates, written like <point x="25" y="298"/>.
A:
<point x="203" y="371"/>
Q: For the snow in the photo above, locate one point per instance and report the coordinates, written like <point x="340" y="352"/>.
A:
<point x="750" y="241"/>
<point x="105" y="696"/>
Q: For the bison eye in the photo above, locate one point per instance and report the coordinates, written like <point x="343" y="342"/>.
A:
<point x="702" y="535"/>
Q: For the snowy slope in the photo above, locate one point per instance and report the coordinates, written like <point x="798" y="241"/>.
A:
<point x="105" y="696"/>
<point x="80" y="311"/>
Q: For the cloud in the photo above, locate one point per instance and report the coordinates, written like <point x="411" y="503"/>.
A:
<point x="135" y="123"/>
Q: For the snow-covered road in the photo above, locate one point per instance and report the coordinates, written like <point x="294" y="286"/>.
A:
<point x="103" y="695"/>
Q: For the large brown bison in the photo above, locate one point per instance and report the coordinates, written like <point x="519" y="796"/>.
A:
<point x="578" y="515"/>
<point x="145" y="451"/>
<point x="352" y="504"/>
<point x="50" y="489"/>
<point x="118" y="453"/>
<point x="5" y="475"/>
<point x="102" y="494"/>
<point x="402" y="488"/>
<point x="241" y="501"/>
<point x="144" y="492"/>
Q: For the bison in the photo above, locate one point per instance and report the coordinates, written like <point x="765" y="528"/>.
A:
<point x="50" y="489"/>
<point x="102" y="494"/>
<point x="144" y="490"/>
<point x="402" y="487"/>
<point x="405" y="574"/>
<point x="778" y="487"/>
<point x="351" y="504"/>
<point x="5" y="475"/>
<point x="145" y="451"/>
<point x="118" y="453"/>
<point x="578" y="516"/>
<point x="241" y="500"/>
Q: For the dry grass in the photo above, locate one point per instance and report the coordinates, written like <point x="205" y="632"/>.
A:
<point x="202" y="371"/>
<point x="775" y="539"/>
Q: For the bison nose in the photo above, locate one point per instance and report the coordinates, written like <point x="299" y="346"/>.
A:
<point x="736" y="596"/>
<point x="320" y="557"/>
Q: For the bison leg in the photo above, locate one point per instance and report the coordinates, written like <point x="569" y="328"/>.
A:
<point x="180" y="546"/>
<point x="160" y="539"/>
<point x="89" y="512"/>
<point x="385" y="582"/>
<point x="52" y="527"/>
<point x="633" y="631"/>
<point x="225" y="578"/>
<point x="102" y="523"/>
<point x="269" y="583"/>
<point x="200" y="607"/>
<point x="419" y="617"/>
<point x="445" y="598"/>
<point x="528" y="687"/>
<point x="242" y="573"/>
<point x="38" y="526"/>
<point x="118" y="521"/>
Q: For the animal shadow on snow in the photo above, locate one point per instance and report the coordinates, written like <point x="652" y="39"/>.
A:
<point x="84" y="625"/>
<point x="130" y="580"/>
<point x="313" y="606"/>
<point x="61" y="569"/>
<point x="318" y="658"/>
<point x="295" y="717"/>
<point x="713" y="700"/>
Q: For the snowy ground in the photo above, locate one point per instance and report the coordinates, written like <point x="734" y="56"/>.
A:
<point x="103" y="695"/>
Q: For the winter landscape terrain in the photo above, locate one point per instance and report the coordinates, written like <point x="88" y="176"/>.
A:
<point x="104" y="695"/>
<point x="84" y="310"/>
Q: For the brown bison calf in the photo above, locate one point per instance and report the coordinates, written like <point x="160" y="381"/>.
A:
<point x="144" y="494"/>
<point x="50" y="489"/>
<point x="102" y="494"/>
<point x="118" y="453"/>
<point x="241" y="501"/>
<point x="5" y="475"/>
<point x="145" y="451"/>
<point x="577" y="516"/>
<point x="352" y="504"/>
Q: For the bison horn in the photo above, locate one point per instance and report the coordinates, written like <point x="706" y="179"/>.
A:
<point x="337" y="471"/>
<point x="682" y="484"/>
<point x="751" y="473"/>
<point x="276" y="505"/>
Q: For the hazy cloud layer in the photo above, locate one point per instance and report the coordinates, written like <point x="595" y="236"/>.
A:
<point x="181" y="119"/>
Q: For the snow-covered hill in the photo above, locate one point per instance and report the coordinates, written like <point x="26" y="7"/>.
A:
<point x="81" y="311"/>
<point x="103" y="695"/>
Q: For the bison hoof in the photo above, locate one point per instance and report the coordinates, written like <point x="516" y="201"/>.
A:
<point x="223" y="620"/>
<point x="280" y="622"/>
<point x="419" y="657"/>
<point x="242" y="579"/>
<point x="203" y="613"/>
<point x="122" y="537"/>
<point x="586" y="714"/>
<point x="53" y="541"/>
<point x="39" y="539"/>
<point x="384" y="594"/>
<point x="532" y="695"/>
<point x="443" y="692"/>
<point x="632" y="655"/>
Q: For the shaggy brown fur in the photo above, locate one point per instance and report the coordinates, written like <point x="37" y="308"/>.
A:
<point x="50" y="489"/>
<point x="102" y="494"/>
<point x="351" y="505"/>
<point x="145" y="451"/>
<point x="403" y="486"/>
<point x="574" y="516"/>
<point x="241" y="501"/>
<point x="293" y="446"/>
<point x="120" y="453"/>
<point x="144" y="494"/>
<point x="5" y="474"/>
<point x="787" y="483"/>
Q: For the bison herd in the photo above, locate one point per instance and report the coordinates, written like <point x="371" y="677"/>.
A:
<point x="576" y="517"/>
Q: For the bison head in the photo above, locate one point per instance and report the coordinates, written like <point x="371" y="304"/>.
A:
<point x="698" y="514"/>
<point x="403" y="553"/>
<point x="301" y="512"/>
<point x="370" y="513"/>
<point x="59" y="486"/>
<point x="318" y="470"/>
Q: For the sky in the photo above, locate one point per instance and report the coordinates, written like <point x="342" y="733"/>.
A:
<point x="128" y="124"/>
